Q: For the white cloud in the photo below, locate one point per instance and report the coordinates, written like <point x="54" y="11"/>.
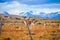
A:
<point x="15" y="8"/>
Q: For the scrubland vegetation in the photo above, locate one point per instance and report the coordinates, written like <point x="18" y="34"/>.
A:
<point x="15" y="28"/>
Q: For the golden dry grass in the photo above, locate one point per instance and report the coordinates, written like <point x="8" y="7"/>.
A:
<point x="16" y="30"/>
<point x="20" y="33"/>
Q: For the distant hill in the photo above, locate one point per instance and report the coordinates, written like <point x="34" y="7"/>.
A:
<point x="16" y="18"/>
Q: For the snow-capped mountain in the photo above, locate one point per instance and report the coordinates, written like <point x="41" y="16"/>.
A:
<point x="53" y="15"/>
<point x="42" y="14"/>
<point x="4" y="12"/>
<point x="27" y="14"/>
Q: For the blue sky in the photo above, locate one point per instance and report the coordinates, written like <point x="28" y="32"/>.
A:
<point x="17" y="6"/>
<point x="33" y="2"/>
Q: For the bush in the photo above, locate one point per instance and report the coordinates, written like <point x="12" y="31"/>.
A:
<point x="7" y="38"/>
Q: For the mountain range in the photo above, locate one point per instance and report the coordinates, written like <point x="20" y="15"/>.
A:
<point x="41" y="14"/>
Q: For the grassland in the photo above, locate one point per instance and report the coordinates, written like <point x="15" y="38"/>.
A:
<point x="15" y="28"/>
